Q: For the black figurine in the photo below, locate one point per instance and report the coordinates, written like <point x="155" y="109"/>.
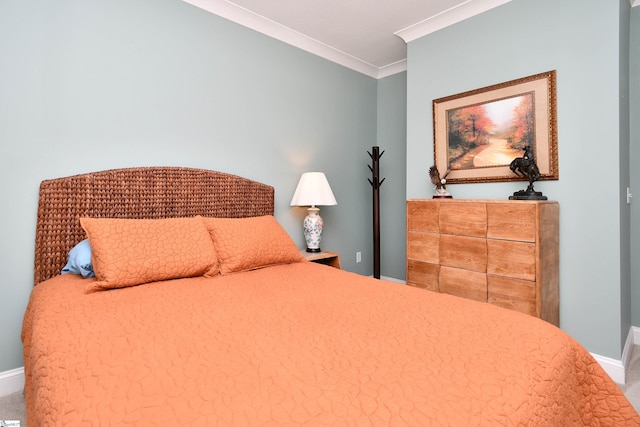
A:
<point x="526" y="166"/>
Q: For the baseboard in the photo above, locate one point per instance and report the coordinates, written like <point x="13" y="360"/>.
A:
<point x="11" y="381"/>
<point x="391" y="279"/>
<point x="617" y="369"/>
<point x="633" y="337"/>
<point x="613" y="367"/>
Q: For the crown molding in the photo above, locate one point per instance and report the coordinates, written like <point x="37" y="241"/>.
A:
<point x="266" y="26"/>
<point x="395" y="68"/>
<point x="449" y="17"/>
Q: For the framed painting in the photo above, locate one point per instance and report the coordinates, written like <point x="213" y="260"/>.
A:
<point x="477" y="134"/>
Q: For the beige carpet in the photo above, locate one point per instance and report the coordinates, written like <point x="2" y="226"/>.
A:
<point x="12" y="406"/>
<point x="632" y="388"/>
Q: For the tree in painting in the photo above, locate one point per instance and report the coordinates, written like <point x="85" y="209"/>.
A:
<point x="523" y="124"/>
<point x="490" y="134"/>
<point x="469" y="128"/>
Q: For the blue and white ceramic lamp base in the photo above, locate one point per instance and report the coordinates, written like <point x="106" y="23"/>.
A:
<point x="313" y="229"/>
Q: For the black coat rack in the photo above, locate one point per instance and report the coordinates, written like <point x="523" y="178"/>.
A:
<point x="375" y="184"/>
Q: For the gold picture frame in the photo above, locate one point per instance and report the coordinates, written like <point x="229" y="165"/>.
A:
<point x="478" y="133"/>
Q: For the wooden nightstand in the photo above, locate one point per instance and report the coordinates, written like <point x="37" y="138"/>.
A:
<point x="324" y="257"/>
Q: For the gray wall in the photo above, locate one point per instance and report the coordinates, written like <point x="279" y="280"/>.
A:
<point x="581" y="40"/>
<point x="89" y="86"/>
<point x="392" y="138"/>
<point x="626" y="304"/>
<point x="634" y="156"/>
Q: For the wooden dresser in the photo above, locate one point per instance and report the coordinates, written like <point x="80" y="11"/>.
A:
<point x="504" y="252"/>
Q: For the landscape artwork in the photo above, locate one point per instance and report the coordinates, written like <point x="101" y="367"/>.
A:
<point x="490" y="134"/>
<point x="477" y="134"/>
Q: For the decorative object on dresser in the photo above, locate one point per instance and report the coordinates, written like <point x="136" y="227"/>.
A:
<point x="440" y="184"/>
<point x="313" y="190"/>
<point x="501" y="252"/>
<point x="375" y="185"/>
<point x="526" y="166"/>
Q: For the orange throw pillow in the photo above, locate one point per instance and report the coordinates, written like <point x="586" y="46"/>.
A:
<point x="129" y="252"/>
<point x="244" y="244"/>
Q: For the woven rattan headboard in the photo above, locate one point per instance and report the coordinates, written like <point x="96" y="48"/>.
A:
<point x="148" y="192"/>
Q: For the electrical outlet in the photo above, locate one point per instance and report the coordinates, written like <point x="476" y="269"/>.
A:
<point x="358" y="256"/>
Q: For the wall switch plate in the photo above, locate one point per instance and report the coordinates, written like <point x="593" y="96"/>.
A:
<point x="358" y="256"/>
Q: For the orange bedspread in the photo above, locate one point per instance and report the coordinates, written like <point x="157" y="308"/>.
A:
<point x="301" y="344"/>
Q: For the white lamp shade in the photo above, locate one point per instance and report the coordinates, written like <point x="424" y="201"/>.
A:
<point x="313" y="190"/>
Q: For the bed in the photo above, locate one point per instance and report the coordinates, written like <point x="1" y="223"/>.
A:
<point x="231" y="326"/>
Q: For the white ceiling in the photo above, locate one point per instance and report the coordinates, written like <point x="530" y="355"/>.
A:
<point x="368" y="36"/>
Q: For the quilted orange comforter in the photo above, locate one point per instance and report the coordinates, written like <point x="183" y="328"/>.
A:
<point x="300" y="344"/>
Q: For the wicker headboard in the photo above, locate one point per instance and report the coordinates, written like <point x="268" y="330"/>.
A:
<point x="147" y="192"/>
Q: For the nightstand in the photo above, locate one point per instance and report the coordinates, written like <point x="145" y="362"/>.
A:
<point x="324" y="257"/>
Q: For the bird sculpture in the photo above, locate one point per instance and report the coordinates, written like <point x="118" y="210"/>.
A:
<point x="439" y="183"/>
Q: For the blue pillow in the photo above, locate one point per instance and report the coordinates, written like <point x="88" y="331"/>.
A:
<point x="80" y="260"/>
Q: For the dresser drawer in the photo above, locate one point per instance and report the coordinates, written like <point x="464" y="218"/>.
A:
<point x="423" y="217"/>
<point x="512" y="259"/>
<point x="423" y="246"/>
<point x="463" y="283"/>
<point x="465" y="252"/>
<point x="423" y="275"/>
<point x="512" y="221"/>
<point x="514" y="294"/>
<point x="465" y="219"/>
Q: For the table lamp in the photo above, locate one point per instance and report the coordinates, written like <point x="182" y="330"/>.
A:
<point x="313" y="190"/>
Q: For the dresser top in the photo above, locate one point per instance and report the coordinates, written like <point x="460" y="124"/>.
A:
<point x="443" y="200"/>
